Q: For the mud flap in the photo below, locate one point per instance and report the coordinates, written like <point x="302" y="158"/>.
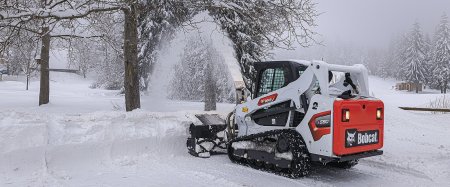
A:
<point x="208" y="138"/>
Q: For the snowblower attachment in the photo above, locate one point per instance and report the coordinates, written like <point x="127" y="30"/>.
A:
<point x="208" y="138"/>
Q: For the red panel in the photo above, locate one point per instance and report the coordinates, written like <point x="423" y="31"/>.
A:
<point x="362" y="118"/>
<point x="317" y="132"/>
<point x="267" y="99"/>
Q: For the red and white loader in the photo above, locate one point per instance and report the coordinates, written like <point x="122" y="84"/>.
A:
<point x="299" y="112"/>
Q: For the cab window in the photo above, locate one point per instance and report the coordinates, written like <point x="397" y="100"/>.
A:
<point x="271" y="79"/>
<point x="300" y="70"/>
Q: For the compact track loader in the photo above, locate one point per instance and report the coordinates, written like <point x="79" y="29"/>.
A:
<point x="299" y="112"/>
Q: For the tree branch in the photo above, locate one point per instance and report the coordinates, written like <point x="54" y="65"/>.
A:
<point x="75" y="36"/>
<point x="59" y="15"/>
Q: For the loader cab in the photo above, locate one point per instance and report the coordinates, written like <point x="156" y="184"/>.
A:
<point x="273" y="75"/>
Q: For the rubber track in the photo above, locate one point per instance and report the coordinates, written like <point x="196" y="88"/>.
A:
<point x="301" y="163"/>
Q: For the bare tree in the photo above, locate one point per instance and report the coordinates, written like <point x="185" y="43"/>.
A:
<point x="15" y="17"/>
<point x="82" y="55"/>
<point x="23" y="53"/>
<point x="108" y="67"/>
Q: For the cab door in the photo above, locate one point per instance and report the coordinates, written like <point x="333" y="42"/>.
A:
<point x="270" y="110"/>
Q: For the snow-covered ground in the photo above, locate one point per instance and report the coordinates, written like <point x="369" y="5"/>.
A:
<point x="83" y="138"/>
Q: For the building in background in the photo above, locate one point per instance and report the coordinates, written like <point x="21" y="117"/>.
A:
<point x="409" y="86"/>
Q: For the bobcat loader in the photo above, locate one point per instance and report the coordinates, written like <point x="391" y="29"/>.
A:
<point x="299" y="112"/>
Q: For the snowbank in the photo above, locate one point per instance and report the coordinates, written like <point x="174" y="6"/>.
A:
<point x="37" y="144"/>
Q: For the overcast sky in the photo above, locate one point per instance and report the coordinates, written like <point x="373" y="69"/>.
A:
<point x="374" y="22"/>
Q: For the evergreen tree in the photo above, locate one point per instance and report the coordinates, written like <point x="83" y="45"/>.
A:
<point x="386" y="63"/>
<point x="390" y="60"/>
<point x="415" y="59"/>
<point x="202" y="74"/>
<point x="428" y="60"/>
<point x="441" y="59"/>
<point x="400" y="57"/>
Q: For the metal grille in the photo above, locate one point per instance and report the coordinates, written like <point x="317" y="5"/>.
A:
<point x="278" y="81"/>
<point x="266" y="82"/>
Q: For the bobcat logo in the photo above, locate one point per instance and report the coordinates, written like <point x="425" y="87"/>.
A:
<point x="351" y="138"/>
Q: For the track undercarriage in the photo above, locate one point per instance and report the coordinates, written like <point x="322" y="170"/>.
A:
<point x="279" y="151"/>
<point x="282" y="151"/>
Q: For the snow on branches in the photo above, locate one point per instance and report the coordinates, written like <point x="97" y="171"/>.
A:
<point x="415" y="59"/>
<point x="155" y="27"/>
<point x="257" y="26"/>
<point x="202" y="68"/>
<point x="441" y="58"/>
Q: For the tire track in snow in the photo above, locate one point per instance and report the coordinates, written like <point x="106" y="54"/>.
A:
<point x="369" y="173"/>
<point x="395" y="168"/>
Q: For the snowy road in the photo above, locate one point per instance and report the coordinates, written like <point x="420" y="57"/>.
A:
<point x="75" y="146"/>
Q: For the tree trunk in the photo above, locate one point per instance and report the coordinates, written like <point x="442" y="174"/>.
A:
<point x="84" y="73"/>
<point x="44" y="90"/>
<point x="445" y="87"/>
<point x="132" y="97"/>
<point x="417" y="87"/>
<point x="210" y="88"/>
<point x="28" y="81"/>
<point x="28" y="73"/>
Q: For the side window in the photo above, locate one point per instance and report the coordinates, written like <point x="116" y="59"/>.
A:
<point x="301" y="70"/>
<point x="316" y="86"/>
<point x="271" y="79"/>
